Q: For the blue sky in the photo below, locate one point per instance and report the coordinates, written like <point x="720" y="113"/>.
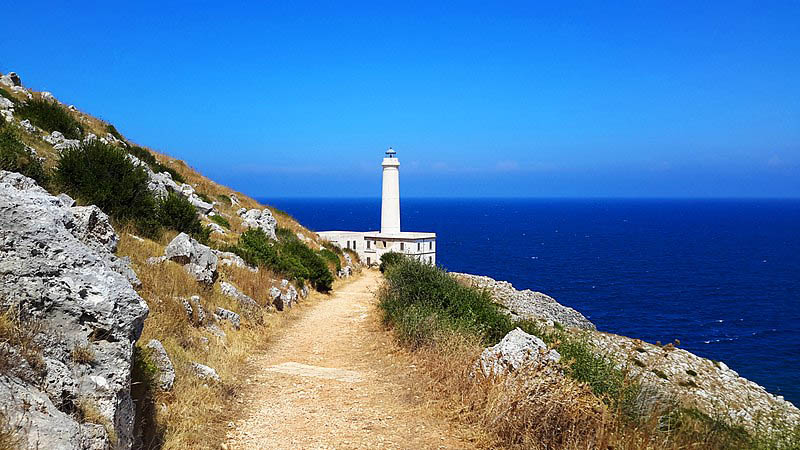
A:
<point x="635" y="99"/>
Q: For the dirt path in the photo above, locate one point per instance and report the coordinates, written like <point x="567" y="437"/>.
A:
<point x="329" y="381"/>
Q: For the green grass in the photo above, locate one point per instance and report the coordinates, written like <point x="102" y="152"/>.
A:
<point x="421" y="300"/>
<point x="50" y="116"/>
<point x="204" y="197"/>
<point x="224" y="199"/>
<point x="286" y="255"/>
<point x="15" y="157"/>
<point x="219" y="220"/>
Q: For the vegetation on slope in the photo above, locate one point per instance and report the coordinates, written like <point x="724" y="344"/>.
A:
<point x="287" y="255"/>
<point x="596" y="405"/>
<point x="16" y="157"/>
<point x="50" y="116"/>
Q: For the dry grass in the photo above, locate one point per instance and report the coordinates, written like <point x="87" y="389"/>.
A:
<point x="17" y="340"/>
<point x="194" y="414"/>
<point x="82" y="353"/>
<point x="9" y="439"/>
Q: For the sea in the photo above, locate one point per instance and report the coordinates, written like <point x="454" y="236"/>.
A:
<point x="721" y="276"/>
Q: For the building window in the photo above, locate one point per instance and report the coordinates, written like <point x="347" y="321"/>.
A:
<point x="402" y="246"/>
<point x="348" y="244"/>
<point x="368" y="260"/>
<point x="384" y="244"/>
<point x="368" y="243"/>
<point x="430" y="245"/>
<point x="354" y="245"/>
<point x="418" y="246"/>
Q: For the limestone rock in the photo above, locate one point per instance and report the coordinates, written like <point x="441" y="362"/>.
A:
<point x="27" y="126"/>
<point x="345" y="272"/>
<point x="196" y="258"/>
<point x="6" y="103"/>
<point x="166" y="371"/>
<point x="274" y="293"/>
<point x="216" y="228"/>
<point x="232" y="259"/>
<point x="262" y="219"/>
<point x="11" y="79"/>
<point x="47" y="96"/>
<point x="234" y="200"/>
<point x="234" y="293"/>
<point x="199" y="204"/>
<point x="515" y="350"/>
<point x="194" y="309"/>
<point x="230" y="316"/>
<point x="50" y="275"/>
<point x="527" y="304"/>
<point x="286" y="300"/>
<point x="205" y="373"/>
<point x="66" y="200"/>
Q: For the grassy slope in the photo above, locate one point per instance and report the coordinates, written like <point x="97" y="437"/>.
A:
<point x="194" y="414"/>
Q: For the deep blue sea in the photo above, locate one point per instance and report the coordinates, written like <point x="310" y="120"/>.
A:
<point x="723" y="276"/>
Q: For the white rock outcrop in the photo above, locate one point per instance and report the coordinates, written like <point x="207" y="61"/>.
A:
<point x="261" y="219"/>
<point x="223" y="314"/>
<point x="205" y="373"/>
<point x="527" y="304"/>
<point x="198" y="259"/>
<point x="166" y="371"/>
<point x="515" y="350"/>
<point x="244" y="300"/>
<point x="54" y="274"/>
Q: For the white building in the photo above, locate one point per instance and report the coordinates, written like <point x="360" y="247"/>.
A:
<point x="371" y="245"/>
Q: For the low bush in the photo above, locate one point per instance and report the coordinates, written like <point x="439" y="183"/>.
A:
<point x="219" y="220"/>
<point x="113" y="130"/>
<point x="389" y="259"/>
<point x="331" y="258"/>
<point x="16" y="157"/>
<point x="420" y="299"/>
<point x="50" y="116"/>
<point x="100" y="174"/>
<point x="286" y="255"/>
<point x="225" y="200"/>
<point x="175" y="212"/>
<point x="332" y="247"/>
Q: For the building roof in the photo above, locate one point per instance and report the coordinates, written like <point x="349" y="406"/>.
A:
<point x="400" y="235"/>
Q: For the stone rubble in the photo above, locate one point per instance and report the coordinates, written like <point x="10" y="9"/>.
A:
<point x="230" y="316"/>
<point x="244" y="300"/>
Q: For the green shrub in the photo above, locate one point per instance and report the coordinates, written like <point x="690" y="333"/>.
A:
<point x="415" y="288"/>
<point x="286" y="255"/>
<point x="113" y="130"/>
<point x="100" y="174"/>
<point x="331" y="258"/>
<point x="219" y="220"/>
<point x="332" y="247"/>
<point x="15" y="156"/>
<point x="390" y="259"/>
<point x="49" y="115"/>
<point x="175" y="212"/>
<point x="148" y="158"/>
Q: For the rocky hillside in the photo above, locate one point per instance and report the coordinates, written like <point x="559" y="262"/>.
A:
<point x="132" y="289"/>
<point x="671" y="373"/>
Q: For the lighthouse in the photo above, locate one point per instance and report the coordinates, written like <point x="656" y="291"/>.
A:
<point x="390" y="194"/>
<point x="371" y="245"/>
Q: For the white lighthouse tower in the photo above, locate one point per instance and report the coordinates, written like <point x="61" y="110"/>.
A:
<point x="371" y="245"/>
<point x="390" y="195"/>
